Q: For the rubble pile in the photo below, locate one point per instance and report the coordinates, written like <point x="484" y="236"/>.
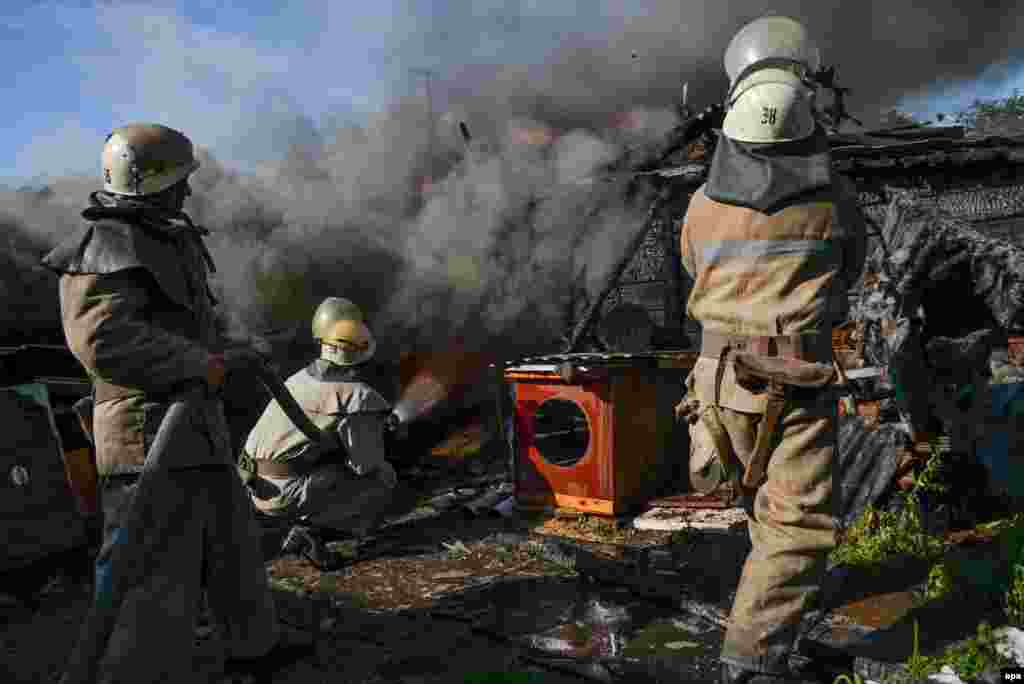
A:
<point x="937" y="299"/>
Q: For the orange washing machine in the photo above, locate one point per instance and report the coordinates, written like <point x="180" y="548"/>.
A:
<point x="596" y="432"/>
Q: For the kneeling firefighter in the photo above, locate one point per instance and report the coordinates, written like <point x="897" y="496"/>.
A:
<point x="773" y="241"/>
<point x="326" y="488"/>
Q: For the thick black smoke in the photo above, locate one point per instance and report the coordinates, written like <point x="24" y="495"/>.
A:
<point x="885" y="51"/>
<point x="492" y="242"/>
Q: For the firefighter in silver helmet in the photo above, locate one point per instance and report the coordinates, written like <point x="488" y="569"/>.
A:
<point x="138" y="315"/>
<point x="773" y="240"/>
<point x="343" y="488"/>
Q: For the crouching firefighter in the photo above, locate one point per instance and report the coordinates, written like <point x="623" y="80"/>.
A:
<point x="329" y="489"/>
<point x="138" y="315"/>
<point x="773" y="241"/>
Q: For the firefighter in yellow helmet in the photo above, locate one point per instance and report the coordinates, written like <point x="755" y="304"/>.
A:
<point x="773" y="241"/>
<point x="333" y="491"/>
<point x="138" y="315"/>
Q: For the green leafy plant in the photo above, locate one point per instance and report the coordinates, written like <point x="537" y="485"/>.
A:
<point x="940" y="581"/>
<point x="877" y="535"/>
<point x="919" y="666"/>
<point x="1013" y="603"/>
<point x="968" y="659"/>
<point x="456" y="550"/>
<point x="848" y="679"/>
<point x="992" y="112"/>
<point x="504" y="553"/>
<point x="555" y="563"/>
<point x="682" y="537"/>
<point x="504" y="678"/>
<point x="596" y="525"/>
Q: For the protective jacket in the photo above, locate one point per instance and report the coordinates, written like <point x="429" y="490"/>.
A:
<point x="326" y="486"/>
<point x="336" y="399"/>
<point x="138" y="315"/>
<point x="773" y="256"/>
<point x="773" y="242"/>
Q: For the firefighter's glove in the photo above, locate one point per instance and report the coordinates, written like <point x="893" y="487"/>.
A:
<point x="687" y="410"/>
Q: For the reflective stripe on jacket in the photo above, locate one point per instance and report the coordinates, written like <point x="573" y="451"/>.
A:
<point x="784" y="273"/>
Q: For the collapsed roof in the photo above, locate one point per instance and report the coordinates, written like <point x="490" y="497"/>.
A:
<point x="975" y="182"/>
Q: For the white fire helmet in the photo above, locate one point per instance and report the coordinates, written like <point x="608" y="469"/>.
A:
<point x="773" y="102"/>
<point x="144" y="159"/>
<point x="770" y="105"/>
<point x="770" y="37"/>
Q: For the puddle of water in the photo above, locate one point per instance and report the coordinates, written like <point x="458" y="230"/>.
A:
<point x="660" y="638"/>
<point x="605" y="624"/>
<point x="579" y="640"/>
<point x="588" y="622"/>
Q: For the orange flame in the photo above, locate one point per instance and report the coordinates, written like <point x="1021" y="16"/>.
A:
<point x="428" y="378"/>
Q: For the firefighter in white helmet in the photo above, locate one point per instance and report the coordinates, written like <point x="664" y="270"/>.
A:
<point x="138" y="315"/>
<point x="773" y="240"/>
<point x="340" y="490"/>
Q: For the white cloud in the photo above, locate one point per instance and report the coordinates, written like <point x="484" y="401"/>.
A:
<point x="150" y="62"/>
<point x="68" y="150"/>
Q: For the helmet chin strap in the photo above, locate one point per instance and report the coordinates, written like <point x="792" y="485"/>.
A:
<point x="808" y="78"/>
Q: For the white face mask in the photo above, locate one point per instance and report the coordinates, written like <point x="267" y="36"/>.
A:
<point x="340" y="355"/>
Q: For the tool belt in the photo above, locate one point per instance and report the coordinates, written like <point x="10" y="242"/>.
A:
<point x="782" y="379"/>
<point x="784" y="367"/>
<point x="284" y="470"/>
<point x="814" y="347"/>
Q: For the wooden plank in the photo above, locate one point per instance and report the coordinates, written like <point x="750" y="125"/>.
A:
<point x="691" y="501"/>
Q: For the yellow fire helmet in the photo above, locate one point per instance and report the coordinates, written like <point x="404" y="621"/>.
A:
<point x="344" y="336"/>
<point x="144" y="159"/>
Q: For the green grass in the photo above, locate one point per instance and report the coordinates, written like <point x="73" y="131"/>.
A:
<point x="968" y="659"/>
<point x="684" y="537"/>
<point x="1013" y="601"/>
<point x="556" y="566"/>
<point x="877" y="535"/>
<point x="848" y="679"/>
<point x="292" y="585"/>
<point x="504" y="678"/>
<point x="941" y="581"/>
<point x="596" y="525"/>
<point x="504" y="553"/>
<point x="456" y="550"/>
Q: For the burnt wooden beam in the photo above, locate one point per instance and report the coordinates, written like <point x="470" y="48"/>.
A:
<point x="585" y="323"/>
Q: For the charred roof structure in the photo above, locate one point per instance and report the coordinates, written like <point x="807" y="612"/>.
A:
<point x="942" y="290"/>
<point x="975" y="180"/>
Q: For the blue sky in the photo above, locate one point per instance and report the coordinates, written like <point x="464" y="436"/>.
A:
<point x="227" y="71"/>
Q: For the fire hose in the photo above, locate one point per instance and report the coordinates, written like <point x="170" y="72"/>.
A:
<point x="123" y="572"/>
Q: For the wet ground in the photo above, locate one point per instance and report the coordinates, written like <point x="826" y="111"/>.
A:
<point x="441" y="596"/>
